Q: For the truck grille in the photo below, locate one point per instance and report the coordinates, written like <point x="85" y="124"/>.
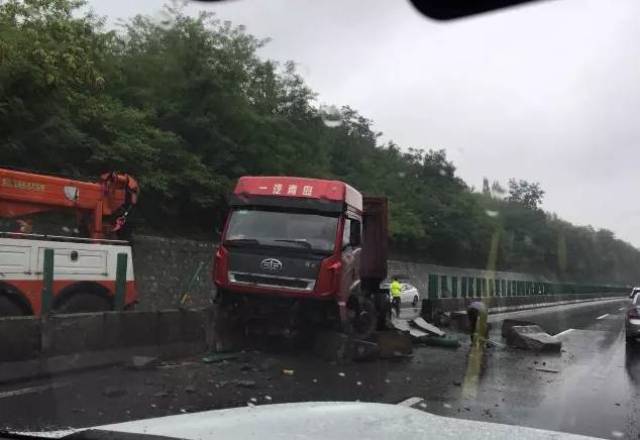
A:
<point x="271" y="281"/>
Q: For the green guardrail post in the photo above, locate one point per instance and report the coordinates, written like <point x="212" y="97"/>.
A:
<point x="121" y="281"/>
<point x="433" y="286"/>
<point x="47" y="281"/>
<point x="463" y="287"/>
<point x="444" y="288"/>
<point x="454" y="287"/>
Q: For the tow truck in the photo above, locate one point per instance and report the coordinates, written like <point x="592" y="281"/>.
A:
<point x="85" y="263"/>
<point x="297" y="252"/>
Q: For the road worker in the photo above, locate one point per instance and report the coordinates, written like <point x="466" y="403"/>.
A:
<point x="394" y="289"/>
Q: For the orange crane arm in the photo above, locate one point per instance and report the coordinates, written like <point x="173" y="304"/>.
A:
<point x="23" y="193"/>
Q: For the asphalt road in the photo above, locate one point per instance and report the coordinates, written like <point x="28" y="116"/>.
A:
<point x="592" y="387"/>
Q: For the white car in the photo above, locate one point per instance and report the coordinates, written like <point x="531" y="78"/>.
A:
<point x="409" y="294"/>
<point x="634" y="291"/>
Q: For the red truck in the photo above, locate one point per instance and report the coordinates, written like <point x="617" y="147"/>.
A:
<point x="298" y="251"/>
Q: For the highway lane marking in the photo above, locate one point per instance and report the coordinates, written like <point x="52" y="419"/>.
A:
<point x="35" y="389"/>
<point x="565" y="332"/>
<point x="603" y="316"/>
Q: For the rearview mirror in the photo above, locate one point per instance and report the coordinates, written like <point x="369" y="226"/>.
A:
<point x="451" y="9"/>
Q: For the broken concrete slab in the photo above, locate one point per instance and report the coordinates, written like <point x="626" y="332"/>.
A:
<point x="403" y="326"/>
<point x="532" y="337"/>
<point x="423" y="325"/>
<point x="508" y="323"/>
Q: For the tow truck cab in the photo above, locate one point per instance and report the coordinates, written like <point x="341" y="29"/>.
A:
<point x="301" y="239"/>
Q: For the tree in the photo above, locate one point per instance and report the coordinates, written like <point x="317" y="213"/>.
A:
<point x="526" y="194"/>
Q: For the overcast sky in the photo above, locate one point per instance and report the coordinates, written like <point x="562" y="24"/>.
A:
<point x="548" y="92"/>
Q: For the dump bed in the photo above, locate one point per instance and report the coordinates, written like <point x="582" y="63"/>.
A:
<point x="373" y="266"/>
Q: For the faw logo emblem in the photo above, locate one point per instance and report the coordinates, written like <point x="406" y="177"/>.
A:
<point x="271" y="265"/>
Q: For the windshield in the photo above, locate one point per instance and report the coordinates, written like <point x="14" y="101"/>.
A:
<point x="312" y="231"/>
<point x="203" y="203"/>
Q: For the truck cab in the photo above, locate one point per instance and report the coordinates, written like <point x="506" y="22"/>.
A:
<point x="295" y="243"/>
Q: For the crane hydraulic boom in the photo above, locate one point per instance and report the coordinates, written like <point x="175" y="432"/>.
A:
<point x="23" y="193"/>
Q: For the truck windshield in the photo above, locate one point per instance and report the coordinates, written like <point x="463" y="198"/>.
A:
<point x="310" y="231"/>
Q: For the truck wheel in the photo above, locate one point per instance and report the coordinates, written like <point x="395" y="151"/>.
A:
<point x="363" y="317"/>
<point x="84" y="303"/>
<point x="9" y="307"/>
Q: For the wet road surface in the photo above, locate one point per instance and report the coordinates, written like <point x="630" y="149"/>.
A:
<point x="591" y="388"/>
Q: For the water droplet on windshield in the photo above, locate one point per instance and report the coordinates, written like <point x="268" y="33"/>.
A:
<point x="617" y="434"/>
<point x="331" y="116"/>
<point x="341" y="374"/>
<point x="491" y="213"/>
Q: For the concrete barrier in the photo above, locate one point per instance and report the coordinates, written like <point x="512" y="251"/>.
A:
<point x="432" y="307"/>
<point x="24" y="338"/>
<point x="19" y="338"/>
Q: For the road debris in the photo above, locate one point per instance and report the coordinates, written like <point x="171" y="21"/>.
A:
<point x="507" y="324"/>
<point x="547" y="370"/>
<point x="341" y="374"/>
<point x="532" y="337"/>
<point x="423" y="325"/>
<point x="393" y="344"/>
<point x="440" y="341"/>
<point x="288" y="372"/>
<point x="244" y="383"/>
<point x="142" y="362"/>
<point x="216" y="357"/>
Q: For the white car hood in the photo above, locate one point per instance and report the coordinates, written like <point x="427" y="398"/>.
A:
<point x="326" y="420"/>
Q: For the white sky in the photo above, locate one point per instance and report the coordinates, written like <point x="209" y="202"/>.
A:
<point x="548" y="92"/>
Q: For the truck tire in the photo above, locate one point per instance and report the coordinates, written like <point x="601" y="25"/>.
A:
<point x="9" y="307"/>
<point x="364" y="317"/>
<point x="83" y="303"/>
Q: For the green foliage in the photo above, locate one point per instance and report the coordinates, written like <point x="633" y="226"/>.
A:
<point x="526" y="194"/>
<point x="187" y="106"/>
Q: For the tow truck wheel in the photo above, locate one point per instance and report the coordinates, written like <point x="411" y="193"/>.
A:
<point x="83" y="303"/>
<point x="363" y="317"/>
<point x="8" y="307"/>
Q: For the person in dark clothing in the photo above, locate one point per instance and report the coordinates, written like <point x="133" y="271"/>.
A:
<point x="477" y="315"/>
